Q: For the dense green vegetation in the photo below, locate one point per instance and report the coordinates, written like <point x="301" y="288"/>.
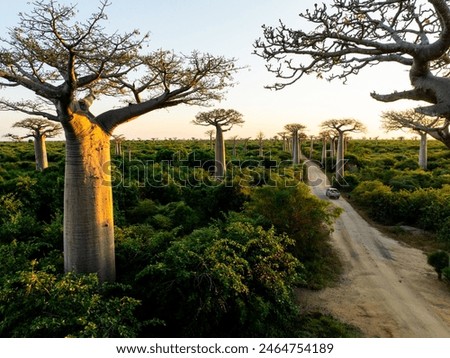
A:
<point x="195" y="256"/>
<point x="384" y="180"/>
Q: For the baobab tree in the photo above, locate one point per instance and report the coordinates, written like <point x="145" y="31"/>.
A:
<point x="234" y="150"/>
<point x="418" y="123"/>
<point x="210" y="133"/>
<point x="118" y="139"/>
<point x="69" y="64"/>
<point x="39" y="130"/>
<point x="326" y="136"/>
<point x="260" y="137"/>
<point x="223" y="120"/>
<point x="352" y="35"/>
<point x="284" y="138"/>
<point x="342" y="126"/>
<point x="294" y="129"/>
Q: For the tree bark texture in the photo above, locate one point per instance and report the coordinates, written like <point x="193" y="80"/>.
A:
<point x="423" y="155"/>
<point x="295" y="151"/>
<point x="40" y="152"/>
<point x="88" y="214"/>
<point x="340" y="158"/>
<point x="324" y="151"/>
<point x="220" y="159"/>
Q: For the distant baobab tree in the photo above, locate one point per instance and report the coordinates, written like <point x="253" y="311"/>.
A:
<point x="294" y="129"/>
<point x="223" y="120"/>
<point x="210" y="133"/>
<point x="39" y="130"/>
<point x="421" y="124"/>
<point x="69" y="63"/>
<point x="234" y="150"/>
<point x="260" y="137"/>
<point x="284" y="137"/>
<point x="118" y="139"/>
<point x="326" y="136"/>
<point x="342" y="126"/>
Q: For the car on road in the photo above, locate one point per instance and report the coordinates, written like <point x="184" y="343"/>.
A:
<point x="332" y="193"/>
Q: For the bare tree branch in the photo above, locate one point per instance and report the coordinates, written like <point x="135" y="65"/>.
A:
<point x="352" y="35"/>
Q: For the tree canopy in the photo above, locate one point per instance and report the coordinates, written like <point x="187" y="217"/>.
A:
<point x="69" y="63"/>
<point x="225" y="118"/>
<point x="436" y="127"/>
<point x="352" y="35"/>
<point x="38" y="127"/>
<point x="294" y="127"/>
<point x="343" y="125"/>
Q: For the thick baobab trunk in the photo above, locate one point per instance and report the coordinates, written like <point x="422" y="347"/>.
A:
<point x="340" y="158"/>
<point x="40" y="152"/>
<point x="295" y="151"/>
<point x="423" y="155"/>
<point x="88" y="213"/>
<point x="220" y="161"/>
<point x="324" y="152"/>
<point x="311" y="148"/>
<point x="118" y="148"/>
<point x="332" y="150"/>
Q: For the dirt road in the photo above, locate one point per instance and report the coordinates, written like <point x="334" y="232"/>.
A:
<point x="388" y="289"/>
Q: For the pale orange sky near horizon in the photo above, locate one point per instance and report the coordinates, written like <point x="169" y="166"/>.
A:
<point x="230" y="28"/>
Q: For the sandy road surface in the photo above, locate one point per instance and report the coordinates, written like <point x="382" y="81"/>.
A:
<point x="388" y="289"/>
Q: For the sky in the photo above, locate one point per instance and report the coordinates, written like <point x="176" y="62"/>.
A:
<point x="229" y="28"/>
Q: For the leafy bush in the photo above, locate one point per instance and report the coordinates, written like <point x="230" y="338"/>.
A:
<point x="42" y="304"/>
<point x="446" y="273"/>
<point x="234" y="281"/>
<point x="439" y="260"/>
<point x="293" y="210"/>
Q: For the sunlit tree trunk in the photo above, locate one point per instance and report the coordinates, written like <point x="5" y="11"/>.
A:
<point x="423" y="155"/>
<point x="40" y="152"/>
<point x="332" y="150"/>
<point x="295" y="152"/>
<point x="340" y="158"/>
<point x="88" y="214"/>
<point x="220" y="162"/>
<point x="324" y="151"/>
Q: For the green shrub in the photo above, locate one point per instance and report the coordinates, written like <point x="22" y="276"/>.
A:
<point x="439" y="260"/>
<point x="293" y="210"/>
<point x="446" y="274"/>
<point x="220" y="282"/>
<point x="41" y="304"/>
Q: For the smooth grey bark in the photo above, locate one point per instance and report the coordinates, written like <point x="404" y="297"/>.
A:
<point x="220" y="158"/>
<point x="295" y="151"/>
<point x="311" y="148"/>
<point x="332" y="150"/>
<point x="323" y="159"/>
<point x="294" y="129"/>
<point x="340" y="162"/>
<point x="40" y="152"/>
<point x="423" y="155"/>
<point x="88" y="214"/>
